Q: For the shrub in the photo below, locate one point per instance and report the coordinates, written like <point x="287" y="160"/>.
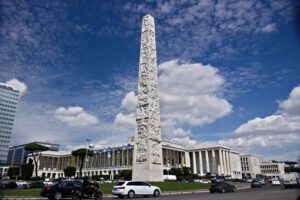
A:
<point x="13" y="172"/>
<point x="26" y="170"/>
<point x="37" y="178"/>
<point x="126" y="174"/>
<point x="70" y="171"/>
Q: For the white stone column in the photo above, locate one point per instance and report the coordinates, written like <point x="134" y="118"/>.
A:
<point x="200" y="163"/>
<point x="194" y="163"/>
<point x="214" y="164"/>
<point x="207" y="162"/>
<point x="228" y="165"/>
<point x="224" y="162"/>
<point x="221" y="171"/>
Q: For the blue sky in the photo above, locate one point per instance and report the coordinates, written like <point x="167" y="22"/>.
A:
<point x="228" y="72"/>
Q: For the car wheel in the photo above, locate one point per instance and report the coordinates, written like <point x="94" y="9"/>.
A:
<point x="211" y="191"/>
<point x="233" y="190"/>
<point x="131" y="194"/>
<point x="156" y="193"/>
<point x="120" y="196"/>
<point x="223" y="191"/>
<point x="57" y="195"/>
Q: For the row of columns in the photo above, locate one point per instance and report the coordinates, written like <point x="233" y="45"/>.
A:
<point x="173" y="158"/>
<point x="205" y="163"/>
<point x="122" y="159"/>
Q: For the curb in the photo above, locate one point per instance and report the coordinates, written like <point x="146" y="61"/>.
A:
<point x="110" y="196"/>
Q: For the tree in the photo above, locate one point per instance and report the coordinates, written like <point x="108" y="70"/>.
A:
<point x="81" y="154"/>
<point x="26" y="170"/>
<point x="166" y="172"/>
<point x="186" y="171"/>
<point x="126" y="174"/>
<point x="13" y="172"/>
<point x="70" y="171"/>
<point x="176" y="171"/>
<point x="291" y="166"/>
<point x="36" y="150"/>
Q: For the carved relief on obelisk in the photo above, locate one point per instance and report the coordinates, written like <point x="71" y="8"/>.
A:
<point x="148" y="150"/>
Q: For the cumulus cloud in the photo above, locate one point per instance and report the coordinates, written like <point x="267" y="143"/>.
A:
<point x="248" y="142"/>
<point x="278" y="130"/>
<point x="75" y="116"/>
<point x="285" y="120"/>
<point x="269" y="28"/>
<point x="20" y="86"/>
<point x="129" y="102"/>
<point x="126" y="122"/>
<point x="188" y="96"/>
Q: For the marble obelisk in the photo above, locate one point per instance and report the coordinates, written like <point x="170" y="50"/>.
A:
<point x="147" y="163"/>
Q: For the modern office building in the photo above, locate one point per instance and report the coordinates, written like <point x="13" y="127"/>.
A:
<point x="9" y="98"/>
<point x="17" y="155"/>
<point x="272" y="169"/>
<point x="111" y="159"/>
<point x="250" y="166"/>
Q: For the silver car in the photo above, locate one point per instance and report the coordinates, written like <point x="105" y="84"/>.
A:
<point x="135" y="188"/>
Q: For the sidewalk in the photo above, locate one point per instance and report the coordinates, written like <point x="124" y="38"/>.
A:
<point x="110" y="196"/>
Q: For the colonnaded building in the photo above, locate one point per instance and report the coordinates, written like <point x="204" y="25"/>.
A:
<point x="146" y="153"/>
<point x="111" y="160"/>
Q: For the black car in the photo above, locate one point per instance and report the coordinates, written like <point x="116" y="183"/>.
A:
<point x="11" y="185"/>
<point x="60" y="190"/>
<point x="255" y="184"/>
<point x="222" y="187"/>
<point x="37" y="184"/>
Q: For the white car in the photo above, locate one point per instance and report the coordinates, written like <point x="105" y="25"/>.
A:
<point x="21" y="183"/>
<point x="275" y="182"/>
<point x="135" y="188"/>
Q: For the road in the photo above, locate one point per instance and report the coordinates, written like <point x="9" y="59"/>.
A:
<point x="264" y="193"/>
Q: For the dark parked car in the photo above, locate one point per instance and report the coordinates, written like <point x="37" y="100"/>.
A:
<point x="222" y="187"/>
<point x="11" y="185"/>
<point x="255" y="184"/>
<point x="37" y="184"/>
<point x="60" y="190"/>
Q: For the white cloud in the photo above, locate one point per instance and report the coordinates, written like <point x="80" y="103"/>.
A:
<point x="75" y="116"/>
<point x="269" y="28"/>
<point x="129" y="102"/>
<point x="20" y="86"/>
<point x="125" y="122"/>
<point x="286" y="120"/>
<point x="188" y="95"/>
<point x="291" y="106"/>
<point x="250" y="142"/>
<point x="279" y="130"/>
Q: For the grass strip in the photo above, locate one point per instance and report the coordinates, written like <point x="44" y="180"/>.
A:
<point x="106" y="188"/>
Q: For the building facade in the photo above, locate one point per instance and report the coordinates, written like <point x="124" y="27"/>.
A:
<point x="111" y="160"/>
<point x="250" y="166"/>
<point x="209" y="158"/>
<point x="17" y="155"/>
<point x="236" y="166"/>
<point x="272" y="169"/>
<point x="9" y="98"/>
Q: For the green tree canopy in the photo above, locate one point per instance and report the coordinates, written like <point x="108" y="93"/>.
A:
<point x="70" y="171"/>
<point x="126" y="174"/>
<point x="35" y="150"/>
<point x="81" y="154"/>
<point x="13" y="172"/>
<point x="26" y="170"/>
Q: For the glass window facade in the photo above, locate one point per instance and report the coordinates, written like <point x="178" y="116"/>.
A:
<point x="9" y="98"/>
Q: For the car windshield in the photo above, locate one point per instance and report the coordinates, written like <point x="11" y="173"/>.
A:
<point x="120" y="183"/>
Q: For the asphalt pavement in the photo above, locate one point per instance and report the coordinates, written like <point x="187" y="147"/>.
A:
<point x="264" y="193"/>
